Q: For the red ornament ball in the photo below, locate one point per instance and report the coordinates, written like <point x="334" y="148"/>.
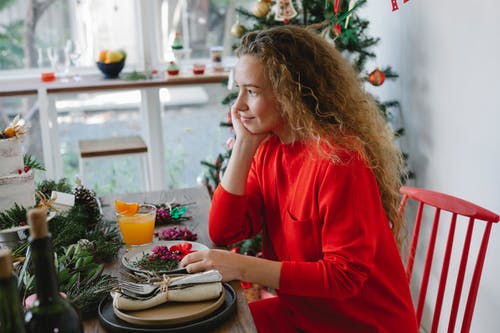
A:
<point x="377" y="77"/>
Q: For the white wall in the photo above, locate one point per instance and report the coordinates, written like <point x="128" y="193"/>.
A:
<point x="447" y="55"/>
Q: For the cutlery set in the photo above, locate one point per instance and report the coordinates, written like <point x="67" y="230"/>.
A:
<point x="142" y="291"/>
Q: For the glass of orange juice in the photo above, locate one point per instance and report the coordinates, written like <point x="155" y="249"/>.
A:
<point x="137" y="228"/>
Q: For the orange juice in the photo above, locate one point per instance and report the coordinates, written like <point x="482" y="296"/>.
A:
<point x="138" y="229"/>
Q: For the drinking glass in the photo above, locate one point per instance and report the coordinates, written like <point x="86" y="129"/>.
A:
<point x="74" y="57"/>
<point x="138" y="229"/>
<point x="53" y="58"/>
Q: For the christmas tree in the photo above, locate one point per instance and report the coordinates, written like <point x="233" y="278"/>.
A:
<point x="339" y="23"/>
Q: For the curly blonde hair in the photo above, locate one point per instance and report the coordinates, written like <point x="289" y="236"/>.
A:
<point x="321" y="98"/>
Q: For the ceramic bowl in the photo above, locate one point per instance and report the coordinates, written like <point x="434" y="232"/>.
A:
<point x="111" y="70"/>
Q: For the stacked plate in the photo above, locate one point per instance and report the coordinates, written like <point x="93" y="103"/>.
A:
<point x="170" y="316"/>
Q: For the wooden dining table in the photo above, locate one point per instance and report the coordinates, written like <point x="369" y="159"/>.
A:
<point x="198" y="201"/>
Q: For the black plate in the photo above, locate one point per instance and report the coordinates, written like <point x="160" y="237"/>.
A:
<point x="112" y="323"/>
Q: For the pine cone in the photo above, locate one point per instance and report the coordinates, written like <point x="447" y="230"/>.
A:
<point x="87" y="198"/>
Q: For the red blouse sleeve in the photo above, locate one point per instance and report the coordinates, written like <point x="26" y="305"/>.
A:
<point x="352" y="218"/>
<point x="233" y="217"/>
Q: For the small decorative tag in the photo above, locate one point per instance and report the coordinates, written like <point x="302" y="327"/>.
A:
<point x="21" y="235"/>
<point x="62" y="201"/>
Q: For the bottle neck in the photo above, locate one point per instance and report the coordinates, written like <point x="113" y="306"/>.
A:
<point x="42" y="254"/>
<point x="11" y="310"/>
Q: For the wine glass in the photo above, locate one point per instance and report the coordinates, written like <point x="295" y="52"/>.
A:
<point x="40" y="58"/>
<point x="66" y="72"/>
<point x="53" y="57"/>
<point x="74" y="56"/>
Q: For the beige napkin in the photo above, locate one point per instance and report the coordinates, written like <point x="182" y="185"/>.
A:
<point x="212" y="275"/>
<point x="196" y="293"/>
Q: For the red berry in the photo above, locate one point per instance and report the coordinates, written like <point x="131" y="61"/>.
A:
<point x="245" y="285"/>
<point x="19" y="171"/>
<point x="27" y="168"/>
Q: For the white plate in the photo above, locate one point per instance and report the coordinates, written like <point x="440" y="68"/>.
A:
<point x="137" y="253"/>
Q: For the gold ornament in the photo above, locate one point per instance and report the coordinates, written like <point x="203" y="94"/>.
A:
<point x="237" y="30"/>
<point x="261" y="9"/>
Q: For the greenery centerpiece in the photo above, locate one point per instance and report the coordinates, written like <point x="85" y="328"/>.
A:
<point x="83" y="242"/>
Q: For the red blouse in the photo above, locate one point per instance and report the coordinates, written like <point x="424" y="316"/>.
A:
<point x="341" y="270"/>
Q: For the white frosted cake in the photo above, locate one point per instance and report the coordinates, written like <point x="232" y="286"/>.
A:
<point x="16" y="182"/>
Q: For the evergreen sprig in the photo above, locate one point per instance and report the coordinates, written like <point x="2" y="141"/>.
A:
<point x="80" y="277"/>
<point x="86" y="296"/>
<point x="47" y="186"/>
<point x="106" y="238"/>
<point x="156" y="265"/>
<point x="13" y="217"/>
<point x="32" y="162"/>
<point x="250" y="246"/>
<point x="69" y="227"/>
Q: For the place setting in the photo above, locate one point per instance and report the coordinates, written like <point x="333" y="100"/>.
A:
<point x="154" y="293"/>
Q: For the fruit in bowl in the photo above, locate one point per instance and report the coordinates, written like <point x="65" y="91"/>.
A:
<point x="111" y="63"/>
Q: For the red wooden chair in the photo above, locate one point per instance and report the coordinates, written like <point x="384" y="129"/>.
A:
<point x="457" y="207"/>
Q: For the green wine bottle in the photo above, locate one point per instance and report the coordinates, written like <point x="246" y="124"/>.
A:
<point x="50" y="312"/>
<point x="11" y="310"/>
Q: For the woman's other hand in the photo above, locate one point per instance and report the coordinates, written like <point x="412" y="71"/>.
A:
<point x="226" y="262"/>
<point x="234" y="266"/>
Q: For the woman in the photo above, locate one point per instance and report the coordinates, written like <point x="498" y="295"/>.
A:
<point x="313" y="167"/>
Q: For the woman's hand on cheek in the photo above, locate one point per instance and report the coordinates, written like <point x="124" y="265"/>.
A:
<point x="227" y="263"/>
<point x="242" y="133"/>
<point x="238" y="127"/>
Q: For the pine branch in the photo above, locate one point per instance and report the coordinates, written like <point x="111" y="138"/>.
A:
<point x="68" y="229"/>
<point x="86" y="297"/>
<point x="107" y="241"/>
<point x="13" y="217"/>
<point x="399" y="132"/>
<point x="31" y="162"/>
<point x="391" y="104"/>
<point x="47" y="186"/>
<point x="389" y="73"/>
<point x="208" y="164"/>
<point x="229" y="98"/>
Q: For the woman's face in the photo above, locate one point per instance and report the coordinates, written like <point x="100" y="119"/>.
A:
<point x="256" y="104"/>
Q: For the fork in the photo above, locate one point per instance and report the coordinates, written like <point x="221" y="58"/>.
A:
<point x="138" y="289"/>
<point x="133" y="289"/>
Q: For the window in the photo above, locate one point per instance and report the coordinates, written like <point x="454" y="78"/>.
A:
<point x="193" y="113"/>
<point x="201" y="24"/>
<point x="92" y="25"/>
